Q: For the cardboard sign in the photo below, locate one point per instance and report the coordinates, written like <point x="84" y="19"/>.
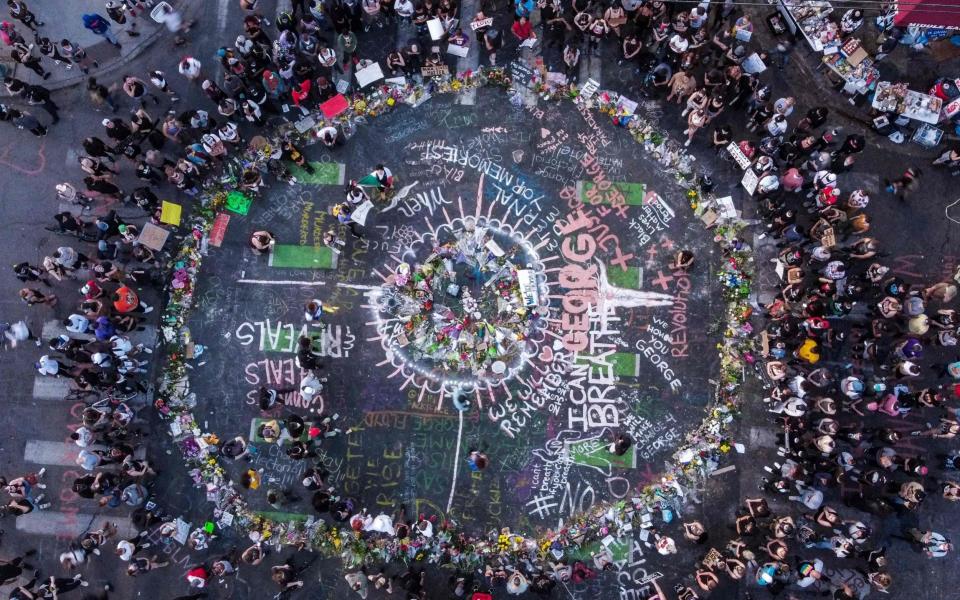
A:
<point x="398" y="81"/>
<point x="435" y="71"/>
<point x="153" y="237"/>
<point x="369" y="74"/>
<point x="334" y="106"/>
<point x="170" y="213"/>
<point x="475" y="25"/>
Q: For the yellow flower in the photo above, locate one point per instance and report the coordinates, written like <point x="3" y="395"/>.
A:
<point x="391" y="101"/>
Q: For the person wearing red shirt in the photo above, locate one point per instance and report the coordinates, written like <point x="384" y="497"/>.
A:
<point x="522" y="29"/>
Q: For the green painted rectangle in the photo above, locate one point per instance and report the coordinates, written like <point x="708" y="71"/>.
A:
<point x="633" y="193"/>
<point x="595" y="453"/>
<point x="323" y="173"/>
<point x="629" y="279"/>
<point x="283" y="517"/>
<point x="288" y="256"/>
<point x="624" y="363"/>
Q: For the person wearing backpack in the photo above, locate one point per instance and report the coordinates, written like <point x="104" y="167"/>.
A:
<point x="100" y="26"/>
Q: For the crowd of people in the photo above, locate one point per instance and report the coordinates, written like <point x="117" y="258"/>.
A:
<point x="846" y="338"/>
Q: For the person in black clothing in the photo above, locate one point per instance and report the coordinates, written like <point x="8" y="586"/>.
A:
<point x="21" y="54"/>
<point x="37" y="95"/>
<point x="96" y="148"/>
<point x="26" y="272"/>
<point x="20" y="12"/>
<point x="117" y="129"/>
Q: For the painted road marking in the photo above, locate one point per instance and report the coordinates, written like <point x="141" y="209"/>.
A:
<point x="281" y="282"/>
<point x="53" y="453"/>
<point x="53" y="328"/>
<point x="456" y="461"/>
<point x="633" y="193"/>
<point x="632" y="278"/>
<point x="69" y="525"/>
<point x="50" y="388"/>
<point x="223" y="7"/>
<point x="324" y="173"/>
<point x="625" y="364"/>
<point x="63" y="454"/>
<point x="288" y="256"/>
<point x="596" y="453"/>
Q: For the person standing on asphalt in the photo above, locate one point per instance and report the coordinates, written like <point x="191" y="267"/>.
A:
<point x="101" y="26"/>
<point x="24" y="120"/>
<point x="37" y="95"/>
<point x="23" y="54"/>
<point x="100" y="95"/>
<point x="137" y="89"/>
<point x="20" y="12"/>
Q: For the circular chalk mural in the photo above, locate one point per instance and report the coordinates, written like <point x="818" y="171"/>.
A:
<point x="465" y="306"/>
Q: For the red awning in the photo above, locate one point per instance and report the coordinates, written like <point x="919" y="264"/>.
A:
<point x="929" y="13"/>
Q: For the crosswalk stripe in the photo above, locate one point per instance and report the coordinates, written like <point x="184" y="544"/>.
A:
<point x="63" y="454"/>
<point x="53" y="328"/>
<point x="70" y="525"/>
<point x="50" y="388"/>
<point x="52" y="453"/>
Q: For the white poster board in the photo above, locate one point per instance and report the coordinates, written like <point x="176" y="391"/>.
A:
<point x="750" y="181"/>
<point x="370" y="74"/>
<point x="461" y="51"/>
<point x="359" y="214"/>
<point x="435" y="27"/>
<point x="475" y="25"/>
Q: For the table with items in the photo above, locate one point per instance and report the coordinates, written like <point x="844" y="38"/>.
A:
<point x="851" y="63"/>
<point x="898" y="98"/>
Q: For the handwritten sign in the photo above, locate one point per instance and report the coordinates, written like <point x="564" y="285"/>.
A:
<point x="369" y="74"/>
<point x="734" y="150"/>
<point x="475" y="25"/>
<point x="750" y="181"/>
<point x="589" y="88"/>
<point x="435" y="70"/>
<point x="153" y="237"/>
<point x="521" y="74"/>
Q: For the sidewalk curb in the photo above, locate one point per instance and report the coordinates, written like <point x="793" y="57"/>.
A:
<point x="190" y="10"/>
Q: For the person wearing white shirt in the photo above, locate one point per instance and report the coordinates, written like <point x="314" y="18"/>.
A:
<point x="83" y="437"/>
<point x="77" y="323"/>
<point x="404" y="9"/>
